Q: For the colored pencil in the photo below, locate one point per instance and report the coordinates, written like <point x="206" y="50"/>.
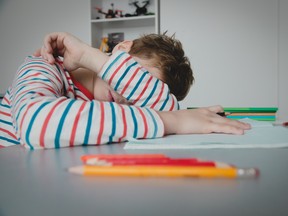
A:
<point x="158" y="163"/>
<point x="84" y="158"/>
<point x="132" y="160"/>
<point x="165" y="171"/>
<point x="155" y="162"/>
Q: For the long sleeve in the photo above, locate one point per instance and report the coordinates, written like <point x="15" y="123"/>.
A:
<point x="136" y="84"/>
<point x="46" y="113"/>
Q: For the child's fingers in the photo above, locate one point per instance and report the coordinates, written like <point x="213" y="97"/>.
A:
<point x="233" y="123"/>
<point x="215" y="109"/>
<point x="37" y="52"/>
<point x="227" y="128"/>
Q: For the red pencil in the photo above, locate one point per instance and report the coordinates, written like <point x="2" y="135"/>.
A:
<point x="154" y="163"/>
<point x="84" y="158"/>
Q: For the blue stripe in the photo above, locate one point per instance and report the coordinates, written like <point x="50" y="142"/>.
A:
<point x="112" y="63"/>
<point x="19" y="112"/>
<point x="57" y="66"/>
<point x="113" y="122"/>
<point x="31" y="92"/>
<point x="123" y="76"/>
<point x="6" y="106"/>
<point x="33" y="79"/>
<point x="135" y="122"/>
<point x="24" y="72"/>
<point x="154" y="122"/>
<point x="151" y="93"/>
<point x="20" y="89"/>
<point x="32" y="122"/>
<point x="5" y="122"/>
<point x="89" y="124"/>
<point x="61" y="123"/>
<point x="9" y="140"/>
<point x="137" y="85"/>
<point x="33" y="70"/>
<point x="165" y="102"/>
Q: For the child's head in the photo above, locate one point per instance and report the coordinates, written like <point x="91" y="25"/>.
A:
<point x="167" y="61"/>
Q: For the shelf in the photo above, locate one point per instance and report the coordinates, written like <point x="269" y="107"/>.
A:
<point x="132" y="26"/>
<point x="123" y="19"/>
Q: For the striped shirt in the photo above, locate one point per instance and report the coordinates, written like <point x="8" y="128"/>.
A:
<point x="43" y="108"/>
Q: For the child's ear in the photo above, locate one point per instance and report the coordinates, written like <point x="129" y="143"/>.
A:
<point x="123" y="46"/>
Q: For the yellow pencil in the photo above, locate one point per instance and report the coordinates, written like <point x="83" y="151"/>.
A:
<point x="165" y="171"/>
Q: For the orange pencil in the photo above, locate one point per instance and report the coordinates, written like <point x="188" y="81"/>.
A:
<point x="165" y="171"/>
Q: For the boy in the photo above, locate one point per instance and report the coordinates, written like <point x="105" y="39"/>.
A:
<point x="44" y="109"/>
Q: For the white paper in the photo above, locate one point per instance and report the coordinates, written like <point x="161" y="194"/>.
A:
<point x="262" y="135"/>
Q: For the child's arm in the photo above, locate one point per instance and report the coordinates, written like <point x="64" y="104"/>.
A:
<point x="120" y="71"/>
<point x="136" y="84"/>
<point x="200" y="121"/>
<point x="46" y="115"/>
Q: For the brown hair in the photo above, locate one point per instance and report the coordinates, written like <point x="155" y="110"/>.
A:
<point x="168" y="55"/>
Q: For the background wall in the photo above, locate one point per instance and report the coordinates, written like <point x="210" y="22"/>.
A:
<point x="24" y="23"/>
<point x="238" y="48"/>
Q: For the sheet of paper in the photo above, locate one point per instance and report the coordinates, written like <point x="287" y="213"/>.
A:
<point x="262" y="135"/>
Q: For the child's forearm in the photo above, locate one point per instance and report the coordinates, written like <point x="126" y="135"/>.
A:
<point x="93" y="59"/>
<point x="136" y="84"/>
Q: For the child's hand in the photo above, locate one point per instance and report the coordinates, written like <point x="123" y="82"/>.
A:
<point x="65" y="45"/>
<point x="201" y="121"/>
<point x="75" y="52"/>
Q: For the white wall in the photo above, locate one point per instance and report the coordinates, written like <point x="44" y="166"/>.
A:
<point x="237" y="49"/>
<point x="24" y="23"/>
<point x="283" y="59"/>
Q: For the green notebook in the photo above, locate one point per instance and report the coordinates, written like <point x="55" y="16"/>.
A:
<point x="247" y="109"/>
<point x="251" y="109"/>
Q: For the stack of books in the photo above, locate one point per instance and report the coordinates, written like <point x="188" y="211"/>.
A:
<point x="255" y="113"/>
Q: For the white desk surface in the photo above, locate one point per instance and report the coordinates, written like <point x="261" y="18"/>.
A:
<point x="36" y="183"/>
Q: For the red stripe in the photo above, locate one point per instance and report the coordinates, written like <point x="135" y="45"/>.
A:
<point x="116" y="71"/>
<point x="26" y="77"/>
<point x="80" y="97"/>
<point x="22" y="120"/>
<point x="159" y="96"/>
<point x="8" y="132"/>
<point x="6" y="114"/>
<point x="130" y="80"/>
<point x="39" y="93"/>
<point x="42" y="82"/>
<point x="124" y="123"/>
<point x="20" y="102"/>
<point x="143" y="91"/>
<point x="6" y="100"/>
<point x="73" y="133"/>
<point x="38" y="66"/>
<point x="48" y="87"/>
<point x="102" y="118"/>
<point x="173" y="103"/>
<point x="145" y="122"/>
<point x="46" y="122"/>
